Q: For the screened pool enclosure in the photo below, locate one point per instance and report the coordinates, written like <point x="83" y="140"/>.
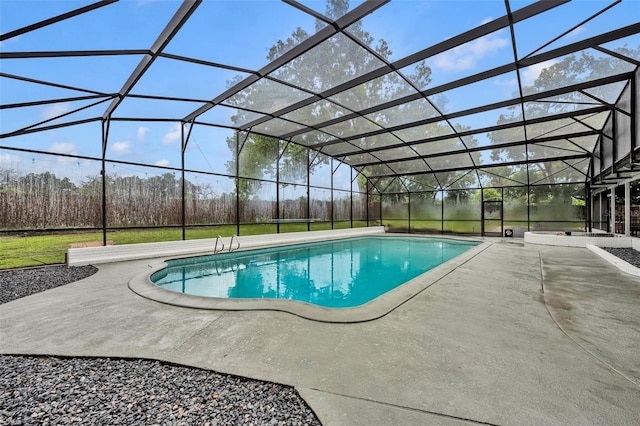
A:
<point x="245" y="117"/>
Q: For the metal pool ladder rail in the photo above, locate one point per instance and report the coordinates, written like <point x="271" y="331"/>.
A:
<point x="215" y="248"/>
<point x="231" y="243"/>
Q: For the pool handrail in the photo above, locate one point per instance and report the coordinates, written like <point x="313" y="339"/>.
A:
<point x="231" y="242"/>
<point x="215" y="247"/>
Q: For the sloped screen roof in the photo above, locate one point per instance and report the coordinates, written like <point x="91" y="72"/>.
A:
<point x="437" y="92"/>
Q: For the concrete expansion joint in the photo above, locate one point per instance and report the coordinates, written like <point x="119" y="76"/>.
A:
<point x="403" y="407"/>
<point x="542" y="278"/>
<point x="553" y="318"/>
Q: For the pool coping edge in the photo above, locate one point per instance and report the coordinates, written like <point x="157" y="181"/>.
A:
<point x="141" y="285"/>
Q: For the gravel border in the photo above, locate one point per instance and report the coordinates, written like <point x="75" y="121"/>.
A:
<point x="629" y="255"/>
<point x="17" y="283"/>
<point x="38" y="390"/>
<point x="43" y="390"/>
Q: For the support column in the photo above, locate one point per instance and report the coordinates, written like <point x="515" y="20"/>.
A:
<point x="600" y="212"/>
<point x="627" y="209"/>
<point x="588" y="198"/>
<point x="351" y="196"/>
<point x="238" y="182"/>
<point x="103" y="172"/>
<point x="409" y="210"/>
<point x="331" y="198"/>
<point x="183" y="186"/>
<point x="612" y="207"/>
<point x="308" y="189"/>
<point x="278" y="186"/>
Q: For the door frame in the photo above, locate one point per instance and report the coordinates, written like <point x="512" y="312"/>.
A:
<point x="501" y="210"/>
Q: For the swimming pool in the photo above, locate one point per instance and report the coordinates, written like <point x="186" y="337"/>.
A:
<point x="334" y="274"/>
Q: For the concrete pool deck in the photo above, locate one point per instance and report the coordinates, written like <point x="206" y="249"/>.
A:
<point x="518" y="334"/>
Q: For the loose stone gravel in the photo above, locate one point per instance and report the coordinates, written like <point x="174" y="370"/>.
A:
<point x="17" y="283"/>
<point x="104" y="391"/>
<point x="629" y="255"/>
<point x="46" y="390"/>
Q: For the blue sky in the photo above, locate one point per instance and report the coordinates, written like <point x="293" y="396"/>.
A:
<point x="239" y="33"/>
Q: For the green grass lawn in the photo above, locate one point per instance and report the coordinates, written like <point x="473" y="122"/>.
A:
<point x="22" y="251"/>
<point x="39" y="250"/>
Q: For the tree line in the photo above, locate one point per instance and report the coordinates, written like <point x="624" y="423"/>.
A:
<point x="46" y="201"/>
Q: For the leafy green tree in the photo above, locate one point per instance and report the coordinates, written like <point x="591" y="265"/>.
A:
<point x="489" y="194"/>
<point x="459" y="180"/>
<point x="554" y="183"/>
<point x="333" y="62"/>
<point x="572" y="69"/>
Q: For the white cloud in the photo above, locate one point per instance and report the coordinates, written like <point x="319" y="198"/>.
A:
<point x="8" y="159"/>
<point x="55" y="110"/>
<point x="64" y="148"/>
<point x="486" y="20"/>
<point x="576" y="33"/>
<point x="142" y="133"/>
<point x="467" y="55"/>
<point x="172" y="135"/>
<point x="162" y="163"/>
<point x="530" y="74"/>
<point x="121" y="148"/>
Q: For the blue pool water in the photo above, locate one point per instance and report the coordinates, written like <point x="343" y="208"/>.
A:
<point x="335" y="274"/>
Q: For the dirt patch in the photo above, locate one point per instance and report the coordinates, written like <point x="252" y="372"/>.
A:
<point x="89" y="244"/>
